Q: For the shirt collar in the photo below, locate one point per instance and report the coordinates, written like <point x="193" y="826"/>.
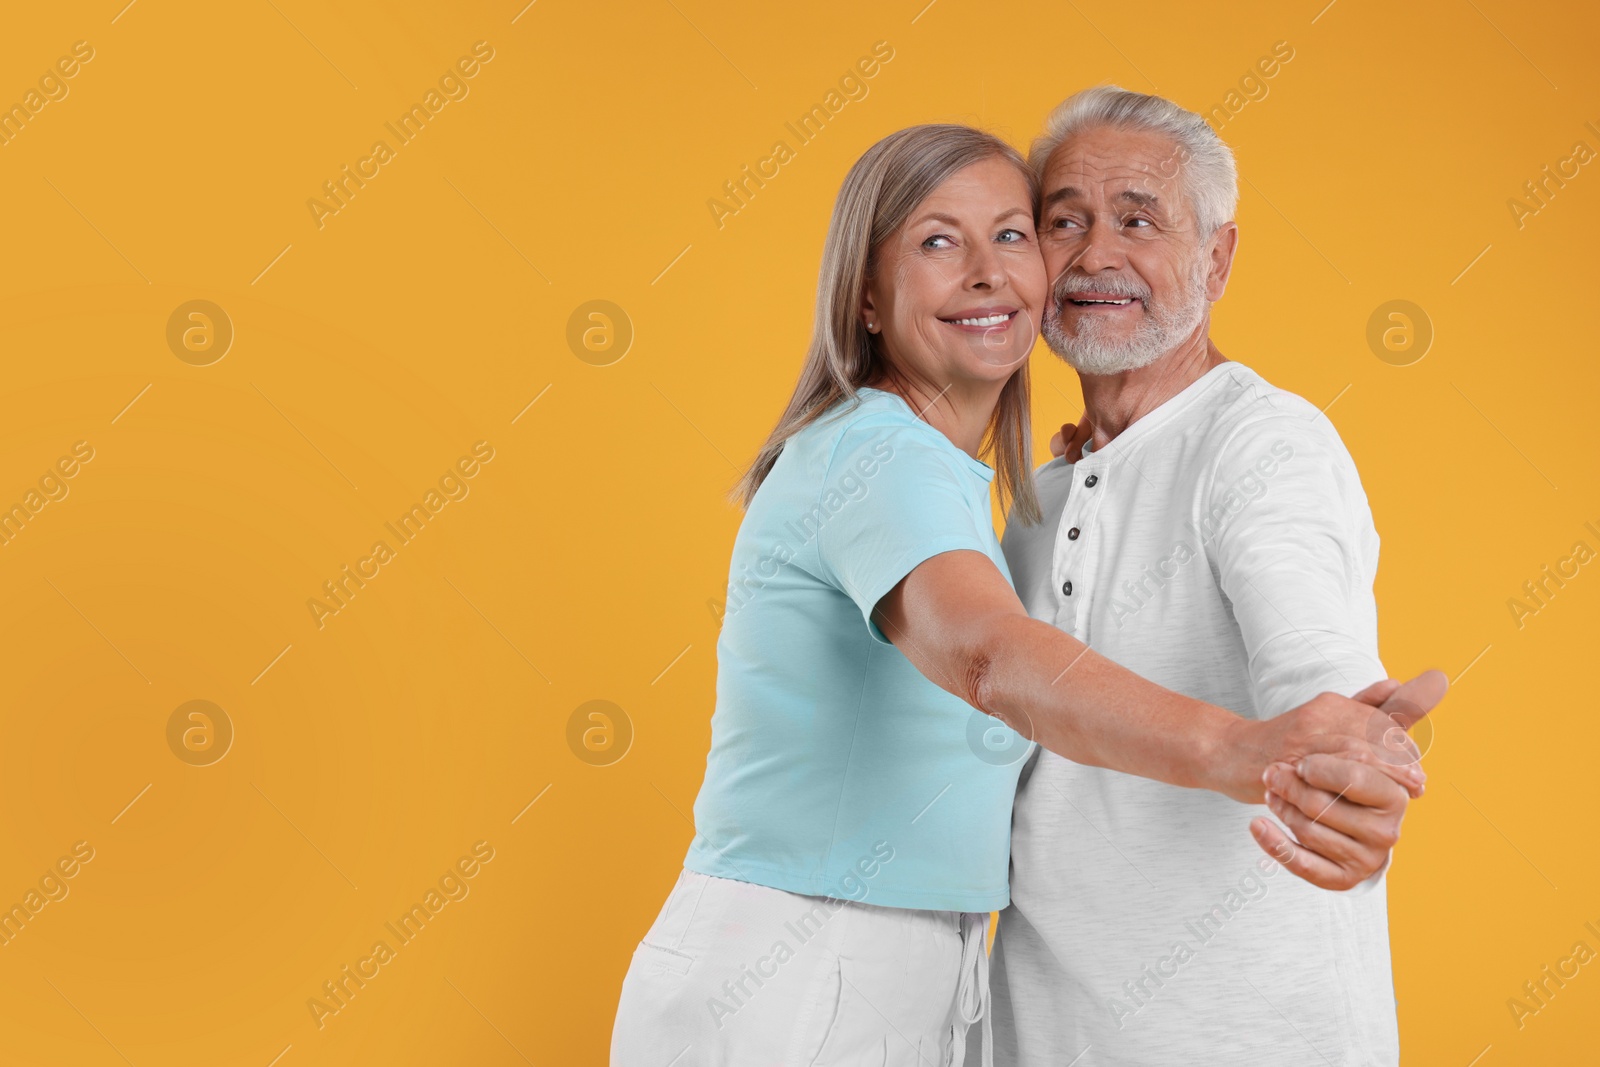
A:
<point x="1152" y="421"/>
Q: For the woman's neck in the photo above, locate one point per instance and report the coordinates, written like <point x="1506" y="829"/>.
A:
<point x="961" y="410"/>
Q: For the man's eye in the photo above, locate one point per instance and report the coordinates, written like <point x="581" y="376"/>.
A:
<point x="1063" y="223"/>
<point x="1138" y="218"/>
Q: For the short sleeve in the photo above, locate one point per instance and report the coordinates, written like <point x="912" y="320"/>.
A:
<point x="1296" y="555"/>
<point x="892" y="498"/>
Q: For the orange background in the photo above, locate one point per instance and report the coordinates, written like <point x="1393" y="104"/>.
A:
<point x="369" y="354"/>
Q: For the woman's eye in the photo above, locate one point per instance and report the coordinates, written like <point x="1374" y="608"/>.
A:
<point x="932" y="242"/>
<point x="1011" y="236"/>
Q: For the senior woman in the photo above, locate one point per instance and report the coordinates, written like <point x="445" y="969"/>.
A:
<point x="853" y="829"/>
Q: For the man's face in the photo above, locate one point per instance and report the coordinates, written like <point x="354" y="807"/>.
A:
<point x="1130" y="279"/>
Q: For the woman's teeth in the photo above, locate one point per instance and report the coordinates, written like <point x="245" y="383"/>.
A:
<point x="987" y="320"/>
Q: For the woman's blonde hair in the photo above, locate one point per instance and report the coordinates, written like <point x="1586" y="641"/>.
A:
<point x="878" y="195"/>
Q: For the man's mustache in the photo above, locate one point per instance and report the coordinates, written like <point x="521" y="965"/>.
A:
<point x="1069" y="285"/>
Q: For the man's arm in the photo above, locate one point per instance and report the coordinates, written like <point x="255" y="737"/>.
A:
<point x="1296" y="555"/>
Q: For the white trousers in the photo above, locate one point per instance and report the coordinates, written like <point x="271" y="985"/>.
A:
<point x="734" y="974"/>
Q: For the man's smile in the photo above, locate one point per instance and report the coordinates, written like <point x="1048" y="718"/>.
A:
<point x="1101" y="303"/>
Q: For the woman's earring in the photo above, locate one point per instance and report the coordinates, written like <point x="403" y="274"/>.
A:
<point x="872" y="327"/>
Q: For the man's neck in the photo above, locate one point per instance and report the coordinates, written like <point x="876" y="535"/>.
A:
<point x="1113" y="402"/>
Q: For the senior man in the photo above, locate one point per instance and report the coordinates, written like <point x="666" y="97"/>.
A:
<point x="1213" y="537"/>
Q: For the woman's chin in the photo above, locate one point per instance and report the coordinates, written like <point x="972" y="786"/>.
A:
<point x="997" y="362"/>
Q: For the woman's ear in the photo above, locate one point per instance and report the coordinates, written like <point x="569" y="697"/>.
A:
<point x="869" y="313"/>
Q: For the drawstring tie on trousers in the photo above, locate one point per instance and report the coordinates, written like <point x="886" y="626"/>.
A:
<point x="972" y="990"/>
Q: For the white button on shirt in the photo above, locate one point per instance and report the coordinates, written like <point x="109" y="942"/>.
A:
<point x="1221" y="546"/>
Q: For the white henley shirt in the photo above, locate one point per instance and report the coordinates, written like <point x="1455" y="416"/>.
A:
<point x="1221" y="546"/>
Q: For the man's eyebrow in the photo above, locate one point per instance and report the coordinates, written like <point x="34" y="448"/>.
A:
<point x="1069" y="192"/>
<point x="1066" y="192"/>
<point x="1143" y="199"/>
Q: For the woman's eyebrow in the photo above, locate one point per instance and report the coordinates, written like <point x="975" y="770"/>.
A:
<point x="951" y="220"/>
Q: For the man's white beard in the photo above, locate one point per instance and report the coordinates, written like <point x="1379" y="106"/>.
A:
<point x="1096" y="350"/>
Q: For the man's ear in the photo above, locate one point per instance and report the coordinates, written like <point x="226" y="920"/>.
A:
<point x="1221" y="248"/>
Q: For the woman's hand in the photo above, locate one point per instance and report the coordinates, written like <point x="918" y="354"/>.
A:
<point x="1369" y="728"/>
<point x="1069" y="440"/>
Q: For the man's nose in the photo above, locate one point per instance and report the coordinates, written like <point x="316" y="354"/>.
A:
<point x="1099" y="249"/>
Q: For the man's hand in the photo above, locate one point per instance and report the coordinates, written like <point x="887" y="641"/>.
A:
<point x="1345" y="816"/>
<point x="1346" y="813"/>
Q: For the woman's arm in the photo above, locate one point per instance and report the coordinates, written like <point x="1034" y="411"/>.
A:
<point x="959" y="622"/>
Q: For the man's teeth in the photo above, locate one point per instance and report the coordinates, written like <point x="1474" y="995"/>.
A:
<point x="1119" y="303"/>
<point x="987" y="320"/>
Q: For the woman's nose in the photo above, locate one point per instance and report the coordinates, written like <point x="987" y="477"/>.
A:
<point x="984" y="269"/>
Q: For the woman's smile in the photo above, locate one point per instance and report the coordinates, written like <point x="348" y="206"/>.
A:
<point x="981" y="320"/>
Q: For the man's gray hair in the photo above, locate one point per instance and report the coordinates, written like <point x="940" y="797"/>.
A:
<point x="1210" y="178"/>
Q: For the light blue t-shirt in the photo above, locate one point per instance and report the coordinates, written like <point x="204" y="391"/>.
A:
<point x="836" y="769"/>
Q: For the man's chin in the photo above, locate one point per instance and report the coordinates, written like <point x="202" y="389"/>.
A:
<point x="1115" y="366"/>
<point x="1096" y="359"/>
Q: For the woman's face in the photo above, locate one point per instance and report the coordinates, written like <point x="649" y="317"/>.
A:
<point x="957" y="291"/>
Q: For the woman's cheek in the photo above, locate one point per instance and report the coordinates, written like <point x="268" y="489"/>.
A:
<point x="1031" y="281"/>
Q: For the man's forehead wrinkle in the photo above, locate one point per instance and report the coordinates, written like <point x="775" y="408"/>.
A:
<point x="1082" y="159"/>
<point x="1149" y="194"/>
